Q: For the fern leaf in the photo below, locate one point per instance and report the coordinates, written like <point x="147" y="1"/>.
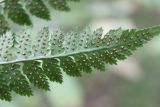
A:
<point x="7" y="42"/>
<point x="24" y="61"/>
<point x="16" y="81"/>
<point x="59" y="5"/>
<point x="52" y="70"/>
<point x="22" y="44"/>
<point x="4" y="89"/>
<point x="35" y="74"/>
<point x="16" y="12"/>
<point x="3" y="25"/>
<point x="38" y="8"/>
<point x="41" y="47"/>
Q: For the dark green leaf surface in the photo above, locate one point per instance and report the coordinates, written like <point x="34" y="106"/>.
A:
<point x="38" y="8"/>
<point x="35" y="74"/>
<point x="59" y="5"/>
<point x="17" y="10"/>
<point x="3" y="24"/>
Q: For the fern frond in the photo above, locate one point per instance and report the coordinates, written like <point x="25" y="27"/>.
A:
<point x="3" y="24"/>
<point x="16" y="10"/>
<point x="38" y="8"/>
<point x="25" y="61"/>
<point x="59" y="5"/>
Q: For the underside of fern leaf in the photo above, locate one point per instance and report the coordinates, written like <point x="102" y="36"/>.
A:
<point x="25" y="61"/>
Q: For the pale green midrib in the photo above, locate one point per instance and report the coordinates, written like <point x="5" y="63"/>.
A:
<point x="56" y="56"/>
<point x="80" y="51"/>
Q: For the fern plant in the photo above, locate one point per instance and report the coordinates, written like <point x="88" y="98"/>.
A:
<point x="16" y="10"/>
<point x="26" y="62"/>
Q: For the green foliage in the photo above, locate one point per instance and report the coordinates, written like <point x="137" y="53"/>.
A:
<point x="59" y="5"/>
<point x="16" y="10"/>
<point x="38" y="8"/>
<point x="3" y="25"/>
<point x="25" y="61"/>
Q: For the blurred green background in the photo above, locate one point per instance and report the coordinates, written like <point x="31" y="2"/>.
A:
<point x="134" y="82"/>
